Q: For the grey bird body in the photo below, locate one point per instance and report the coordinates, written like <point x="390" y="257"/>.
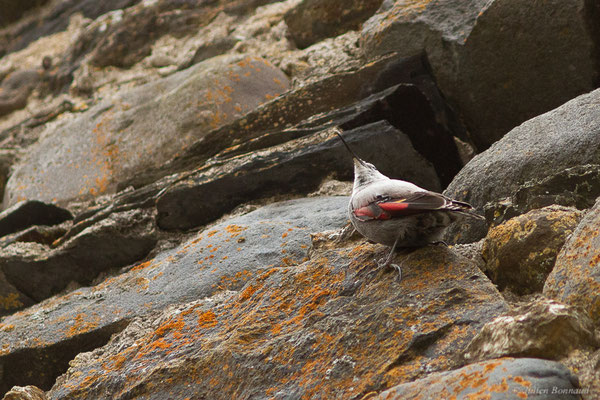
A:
<point x="397" y="213"/>
<point x="411" y="225"/>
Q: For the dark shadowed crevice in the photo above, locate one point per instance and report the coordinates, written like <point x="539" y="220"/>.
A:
<point x="409" y="110"/>
<point x="592" y="8"/>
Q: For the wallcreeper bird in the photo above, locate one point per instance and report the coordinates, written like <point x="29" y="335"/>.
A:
<point x="398" y="213"/>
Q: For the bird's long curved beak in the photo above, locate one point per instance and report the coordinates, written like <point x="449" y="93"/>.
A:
<point x="338" y="132"/>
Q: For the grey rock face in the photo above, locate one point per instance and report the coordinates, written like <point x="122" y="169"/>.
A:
<point x="485" y="54"/>
<point x="550" y="144"/>
<point x="40" y="271"/>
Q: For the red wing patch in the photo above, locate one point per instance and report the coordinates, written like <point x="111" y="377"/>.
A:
<point x="394" y="206"/>
<point x="372" y="211"/>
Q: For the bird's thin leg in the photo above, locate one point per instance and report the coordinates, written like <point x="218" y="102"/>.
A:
<point x="388" y="260"/>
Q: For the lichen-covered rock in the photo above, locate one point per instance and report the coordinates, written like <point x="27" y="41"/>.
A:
<point x="484" y="54"/>
<point x="94" y="152"/>
<point x="549" y="144"/>
<point x="499" y="379"/>
<point x="329" y="327"/>
<point x="393" y="89"/>
<point x="37" y="343"/>
<point x="521" y="252"/>
<point x="543" y="329"/>
<point x="575" y="278"/>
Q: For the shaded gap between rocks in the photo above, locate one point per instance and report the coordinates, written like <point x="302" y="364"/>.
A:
<point x="41" y="366"/>
<point x="409" y="110"/>
<point x="592" y="13"/>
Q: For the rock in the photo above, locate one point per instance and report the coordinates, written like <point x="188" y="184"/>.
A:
<point x="349" y="99"/>
<point x="572" y="187"/>
<point x="7" y="158"/>
<point x="28" y="131"/>
<point x="330" y="327"/>
<point x="484" y="54"/>
<point x="39" y="271"/>
<point x="335" y="96"/>
<point x="542" y="329"/>
<point x="500" y="379"/>
<point x="25" y="393"/>
<point x="52" y="18"/>
<point x="93" y="152"/>
<point x="472" y="251"/>
<point x="283" y="169"/>
<point x="28" y="213"/>
<point x="128" y="37"/>
<point x="46" y="235"/>
<point x="575" y="278"/>
<point x="585" y="364"/>
<point x="16" y="88"/>
<point x="11" y="299"/>
<point x="521" y="252"/>
<point x="43" y="338"/>
<point x="314" y="20"/>
<point x="551" y="144"/>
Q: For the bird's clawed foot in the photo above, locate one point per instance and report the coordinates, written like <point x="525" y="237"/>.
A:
<point x="382" y="264"/>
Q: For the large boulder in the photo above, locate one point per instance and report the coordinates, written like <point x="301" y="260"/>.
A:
<point x="547" y="145"/>
<point x="485" y="54"/>
<point x="331" y="327"/>
<point x="91" y="153"/>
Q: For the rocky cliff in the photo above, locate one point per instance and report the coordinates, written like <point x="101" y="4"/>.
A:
<point x="174" y="199"/>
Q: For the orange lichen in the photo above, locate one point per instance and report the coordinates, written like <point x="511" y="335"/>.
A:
<point x="235" y="230"/>
<point x="207" y="319"/>
<point x="142" y="265"/>
<point x="82" y="323"/>
<point x="10" y="301"/>
<point x="170" y="325"/>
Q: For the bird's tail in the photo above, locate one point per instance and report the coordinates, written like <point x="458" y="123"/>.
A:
<point x="465" y="209"/>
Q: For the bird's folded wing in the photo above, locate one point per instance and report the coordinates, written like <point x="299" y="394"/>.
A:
<point x="401" y="207"/>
